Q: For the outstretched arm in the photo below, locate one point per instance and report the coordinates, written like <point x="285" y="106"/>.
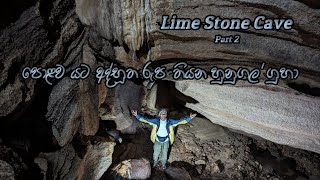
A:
<point x="183" y="120"/>
<point x="143" y="119"/>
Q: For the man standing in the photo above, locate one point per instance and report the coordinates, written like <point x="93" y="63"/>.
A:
<point x="162" y="133"/>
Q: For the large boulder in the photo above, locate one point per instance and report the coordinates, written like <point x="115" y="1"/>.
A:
<point x="79" y="101"/>
<point x="276" y="114"/>
<point x="218" y="155"/>
<point x="69" y="163"/>
<point x="133" y="169"/>
<point x="116" y="105"/>
<point x="131" y="23"/>
<point x="6" y="171"/>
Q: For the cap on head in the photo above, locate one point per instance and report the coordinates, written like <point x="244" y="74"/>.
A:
<point x="162" y="111"/>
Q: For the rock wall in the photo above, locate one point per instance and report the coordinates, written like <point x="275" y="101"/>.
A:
<point x="124" y="21"/>
<point x="126" y="33"/>
<point x="279" y="115"/>
<point x="284" y="113"/>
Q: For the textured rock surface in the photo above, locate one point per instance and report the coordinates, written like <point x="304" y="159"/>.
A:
<point x="35" y="39"/>
<point x="43" y="165"/>
<point x="13" y="166"/>
<point x="133" y="169"/>
<point x="97" y="160"/>
<point x="6" y="171"/>
<point x="67" y="163"/>
<point x="277" y="115"/>
<point x="298" y="47"/>
<point x="125" y="21"/>
<point x="125" y="32"/>
<point x="177" y="173"/>
<point x="137" y="146"/>
<point x="228" y="155"/>
<point x="72" y="108"/>
<point x="117" y="103"/>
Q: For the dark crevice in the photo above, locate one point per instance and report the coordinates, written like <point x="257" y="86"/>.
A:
<point x="113" y="43"/>
<point x="52" y="19"/>
<point x="144" y="49"/>
<point x="10" y="11"/>
<point x="314" y="4"/>
<point x="78" y="37"/>
<point x="1" y="67"/>
<point x="168" y="96"/>
<point x="125" y="47"/>
<point x="80" y="144"/>
<point x="18" y="159"/>
<point x="27" y="132"/>
<point x="107" y="124"/>
<point x="13" y="71"/>
<point x="53" y="30"/>
<point x="286" y="167"/>
<point x="107" y="61"/>
<point x="28" y="125"/>
<point x="305" y="88"/>
<point x="134" y="146"/>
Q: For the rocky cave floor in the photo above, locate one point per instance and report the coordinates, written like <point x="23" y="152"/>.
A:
<point x="202" y="150"/>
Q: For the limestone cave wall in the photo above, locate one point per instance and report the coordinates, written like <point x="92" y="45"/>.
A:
<point x="71" y="128"/>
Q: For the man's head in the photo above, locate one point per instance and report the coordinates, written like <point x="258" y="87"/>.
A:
<point x="162" y="114"/>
